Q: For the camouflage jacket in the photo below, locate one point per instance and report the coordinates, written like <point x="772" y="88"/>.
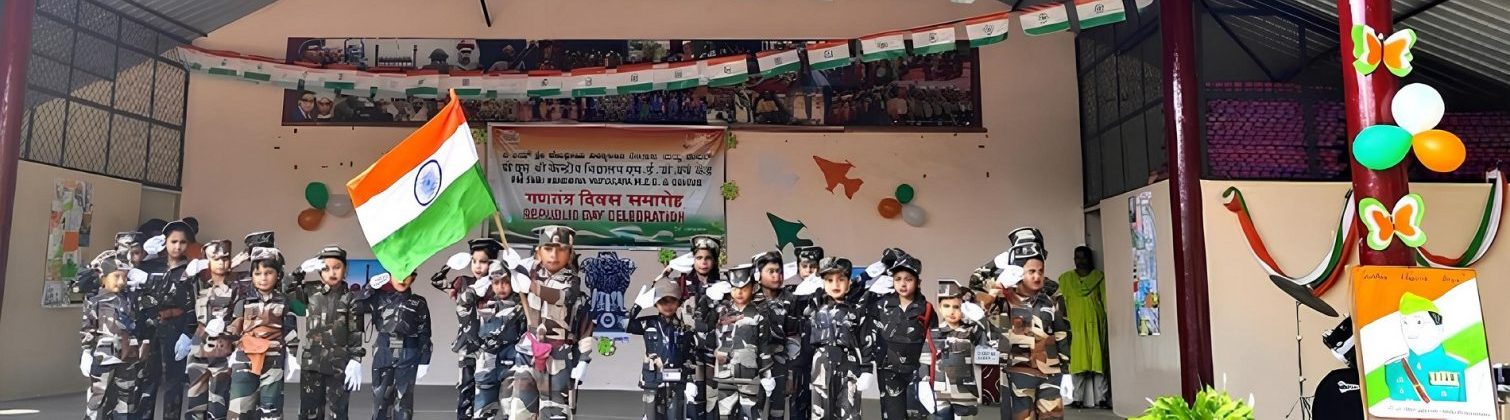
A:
<point x="265" y="315"/>
<point x="167" y="290"/>
<point x="668" y="348"/>
<point x="741" y="341"/>
<point x="843" y="325"/>
<point x="558" y="309"/>
<point x="692" y="287"/>
<point x="1034" y="332"/>
<point x="501" y="322"/>
<point x="402" y="320"/>
<point x="333" y="323"/>
<point x="214" y="302"/>
<point x="953" y="350"/>
<point x="466" y="340"/>
<point x="108" y="329"/>
<point x="901" y="331"/>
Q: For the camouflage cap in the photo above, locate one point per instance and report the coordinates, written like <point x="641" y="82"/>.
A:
<point x="759" y="260"/>
<point x="556" y="235"/>
<point x="809" y="253"/>
<point x="950" y="288"/>
<point x="668" y="289"/>
<point x="739" y="275"/>
<point x="908" y="263"/>
<point x="1026" y="251"/>
<point x="188" y="228"/>
<point x="263" y="239"/>
<point x="217" y="249"/>
<point x="485" y="244"/>
<point x="1028" y="235"/>
<point x="128" y="240"/>
<point x="831" y="265"/>
<point x="110" y="261"/>
<point x="267" y="254"/>
<point x="1411" y="303"/>
<point x="708" y="242"/>
<point x="332" y="251"/>
<point x="891" y="255"/>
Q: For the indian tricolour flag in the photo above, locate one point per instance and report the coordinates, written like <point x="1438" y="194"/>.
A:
<point x="257" y="71"/>
<point x="544" y="83"/>
<point x="590" y="82"/>
<point x="1093" y="13"/>
<point x="634" y="78"/>
<point x="725" y="71"/>
<point x="506" y="85"/>
<point x="423" y="84"/>
<point x="340" y="79"/>
<point x="218" y="63"/>
<point x="828" y="55"/>
<point x="679" y="76"/>
<point x="776" y="63"/>
<point x="1045" y="19"/>
<point x="933" y="40"/>
<point x="988" y="29"/>
<point x="883" y="46"/>
<point x="423" y="195"/>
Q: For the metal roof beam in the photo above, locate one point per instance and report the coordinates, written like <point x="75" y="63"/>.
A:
<point x="162" y="16"/>
<point x="1239" y="40"/>
<point x="1333" y="50"/>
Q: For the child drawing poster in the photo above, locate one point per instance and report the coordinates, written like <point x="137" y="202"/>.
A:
<point x="67" y="230"/>
<point x="1145" y="264"/>
<point x="1422" y="345"/>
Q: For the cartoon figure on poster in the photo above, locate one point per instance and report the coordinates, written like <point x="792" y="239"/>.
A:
<point x="607" y="275"/>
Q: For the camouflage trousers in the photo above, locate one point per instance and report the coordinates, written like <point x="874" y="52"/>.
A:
<point x="209" y="387"/>
<point x="775" y="401"/>
<point x="899" y="394"/>
<point x="955" y="394"/>
<point x="666" y="402"/>
<point x="466" y="387"/>
<point x="321" y="392"/>
<point x="161" y="375"/>
<point x="545" y="394"/>
<point x="495" y="383"/>
<point x="393" y="392"/>
<point x="801" y="400"/>
<point x="836" y="393"/>
<point x="1027" y="394"/>
<point x="700" y="406"/>
<point x="255" y="396"/>
<point x="110" y="391"/>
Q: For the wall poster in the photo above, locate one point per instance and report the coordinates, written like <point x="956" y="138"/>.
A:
<point x="67" y="234"/>
<point x="1145" y="264"/>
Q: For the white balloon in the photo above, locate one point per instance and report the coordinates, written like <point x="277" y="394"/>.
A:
<point x="1417" y="107"/>
<point x="339" y="205"/>
<point x="913" y="215"/>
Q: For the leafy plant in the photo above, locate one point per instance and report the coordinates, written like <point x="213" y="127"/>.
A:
<point x="667" y="255"/>
<point x="729" y="141"/>
<point x="730" y="190"/>
<point x="1210" y="404"/>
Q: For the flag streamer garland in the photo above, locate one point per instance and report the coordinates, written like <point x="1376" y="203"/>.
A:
<point x="1483" y="237"/>
<point x="1328" y="271"/>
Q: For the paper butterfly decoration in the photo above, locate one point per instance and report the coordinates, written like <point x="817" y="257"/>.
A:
<point x="1385" y="225"/>
<point x="1370" y="49"/>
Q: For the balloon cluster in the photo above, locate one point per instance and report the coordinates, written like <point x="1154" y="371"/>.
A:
<point x="900" y="204"/>
<point x="321" y="201"/>
<point x="1417" y="109"/>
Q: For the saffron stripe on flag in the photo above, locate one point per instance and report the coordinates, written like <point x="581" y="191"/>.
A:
<point x="407" y="155"/>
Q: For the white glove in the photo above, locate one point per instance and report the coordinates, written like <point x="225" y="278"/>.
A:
<point x="645" y="299"/>
<point x="520" y="282"/>
<point x="181" y="348"/>
<point x="691" y="391"/>
<point x="353" y="375"/>
<point x="379" y="280"/>
<point x="1010" y="276"/>
<point x="196" y="266"/>
<point x="155" y="245"/>
<point x="459" y="261"/>
<point x="682" y="263"/>
<point x="214" y="327"/>
<point x="789" y="270"/>
<point x="1067" y="385"/>
<point x="86" y="361"/>
<point x="511" y="258"/>
<point x="481" y="285"/>
<point x="769" y="384"/>
<point x="1003" y="260"/>
<point x="290" y="367"/>
<point x="420" y="373"/>
<point x="718" y="290"/>
<point x="925" y="396"/>
<point x="808" y="286"/>
<point x="579" y="372"/>
<point x="312" y="265"/>
<point x="972" y="311"/>
<point x="882" y="286"/>
<point x="136" y="278"/>
<point x="875" y="269"/>
<point x="864" y="382"/>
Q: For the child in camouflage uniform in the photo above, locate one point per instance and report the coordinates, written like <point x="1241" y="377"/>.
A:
<point x="467" y="344"/>
<point x="266" y="342"/>
<point x="781" y="308"/>
<point x="167" y="307"/>
<point x="333" y="336"/>
<point x="1035" y="338"/>
<point x="951" y="360"/>
<point x="560" y="336"/>
<point x="209" y="363"/>
<point x="668" y="349"/>
<point x="902" y="319"/>
<point x="109" y="347"/>
<point x="740" y="333"/>
<point x="705" y="254"/>
<point x="799" y="351"/>
<point x="401" y="353"/>
<point x="842" y="343"/>
<point x="501" y="323"/>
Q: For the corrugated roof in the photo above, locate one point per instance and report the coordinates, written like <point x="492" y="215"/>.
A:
<point x="187" y="19"/>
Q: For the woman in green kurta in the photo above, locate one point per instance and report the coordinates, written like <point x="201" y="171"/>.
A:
<point x="1084" y="291"/>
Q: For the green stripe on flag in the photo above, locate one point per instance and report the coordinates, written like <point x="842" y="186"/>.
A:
<point x="1102" y="20"/>
<point x="883" y="55"/>
<point x="221" y="71"/>
<point x="781" y="69"/>
<point x="450" y="217"/>
<point x="260" y="77"/>
<point x="981" y="42"/>
<point x="1048" y="29"/>
<point x="592" y="91"/>
<point x="831" y="64"/>
<point x="681" y="84"/>
<point x="422" y="91"/>
<point x="545" y="92"/>
<point x="728" y="81"/>
<point x="933" y="49"/>
<point x="642" y="87"/>
<point x="469" y="92"/>
<point x="340" y="85"/>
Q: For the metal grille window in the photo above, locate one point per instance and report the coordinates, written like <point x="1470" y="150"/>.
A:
<point x="105" y="94"/>
<point x="1121" y="118"/>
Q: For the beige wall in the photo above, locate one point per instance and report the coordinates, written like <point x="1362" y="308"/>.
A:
<point x="1141" y="366"/>
<point x="41" y="345"/>
<point x="236" y="147"/>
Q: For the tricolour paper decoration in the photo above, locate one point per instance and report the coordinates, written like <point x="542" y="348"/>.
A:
<point x="776" y="63"/>
<point x="634" y="78"/>
<point x="589" y="82"/>
<point x="1045" y="19"/>
<point x="827" y="55"/>
<point x="507" y="86"/>
<point x="725" y="71"/>
<point x="339" y="79"/>
<point x="988" y="29"/>
<point x="423" y="84"/>
<point x="1370" y="50"/>
<point x="678" y="76"/>
<point x="256" y="71"/>
<point x="1327" y="271"/>
<point x="836" y="174"/>
<point x="467" y="84"/>
<point x="933" y="40"/>
<point x="882" y="47"/>
<point x="1093" y="13"/>
<point x="219" y="63"/>
<point x="1483" y="237"/>
<point x="544" y="83"/>
<point x="1384" y="224"/>
<point x="786" y="232"/>
<point x="393" y="85"/>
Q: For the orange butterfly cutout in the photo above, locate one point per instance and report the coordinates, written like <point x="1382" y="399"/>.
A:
<point x="1370" y="50"/>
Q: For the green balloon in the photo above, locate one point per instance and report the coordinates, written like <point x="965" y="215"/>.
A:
<point x="1381" y="147"/>
<point x="317" y="195"/>
<point x="905" y="193"/>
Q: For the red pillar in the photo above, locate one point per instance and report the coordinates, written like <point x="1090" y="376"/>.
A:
<point x="1183" y="142"/>
<point x="1368" y="98"/>
<point x="15" y="48"/>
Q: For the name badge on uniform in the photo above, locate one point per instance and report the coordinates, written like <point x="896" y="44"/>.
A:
<point x="671" y="375"/>
<point x="987" y="355"/>
<point x="1444" y="379"/>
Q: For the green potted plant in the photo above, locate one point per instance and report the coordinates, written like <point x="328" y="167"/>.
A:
<point x="1210" y="404"/>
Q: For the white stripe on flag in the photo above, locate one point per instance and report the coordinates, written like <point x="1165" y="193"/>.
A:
<point x="396" y="206"/>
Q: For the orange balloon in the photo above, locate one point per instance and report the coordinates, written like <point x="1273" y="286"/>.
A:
<point x="310" y="219"/>
<point x="1439" y="150"/>
<point x="889" y="208"/>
